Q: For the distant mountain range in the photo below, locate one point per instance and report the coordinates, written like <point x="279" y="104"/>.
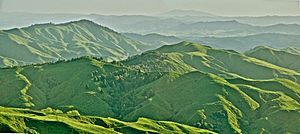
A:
<point x="200" y="28"/>
<point x="237" y="33"/>
<point x="224" y="29"/>
<point x="83" y="77"/>
<point x="181" y="13"/>
<point x="244" y="43"/>
<point x="154" y="40"/>
<point x="18" y="19"/>
<point x="238" y="43"/>
<point x="11" y="20"/>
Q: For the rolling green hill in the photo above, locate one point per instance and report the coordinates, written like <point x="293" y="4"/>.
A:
<point x="288" y="58"/>
<point x="52" y="42"/>
<point x="55" y="121"/>
<point x="222" y="91"/>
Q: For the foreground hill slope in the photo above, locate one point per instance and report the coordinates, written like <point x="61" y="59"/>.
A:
<point x="218" y="90"/>
<point x="54" y="121"/>
<point x="52" y="42"/>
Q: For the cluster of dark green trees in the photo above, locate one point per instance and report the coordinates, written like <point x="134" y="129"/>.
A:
<point x="118" y="83"/>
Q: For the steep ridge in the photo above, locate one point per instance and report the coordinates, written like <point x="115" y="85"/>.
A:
<point x="288" y="58"/>
<point x="292" y="50"/>
<point x="186" y="83"/>
<point x="216" y="61"/>
<point x="52" y="42"/>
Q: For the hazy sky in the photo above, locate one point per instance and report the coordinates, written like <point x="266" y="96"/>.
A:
<point x="219" y="7"/>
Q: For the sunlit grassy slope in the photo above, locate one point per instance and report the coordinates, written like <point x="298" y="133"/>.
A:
<point x="51" y="42"/>
<point x="54" y="121"/>
<point x="218" y="90"/>
<point x="288" y="58"/>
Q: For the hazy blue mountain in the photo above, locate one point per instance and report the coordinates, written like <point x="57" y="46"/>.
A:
<point x="159" y="24"/>
<point x="228" y="29"/>
<point x="269" y="20"/>
<point x="213" y="28"/>
<point x="244" y="43"/>
<point x="179" y="12"/>
<point x="10" y="20"/>
<point x="282" y="28"/>
<point x="123" y="23"/>
<point x="191" y="28"/>
<point x="154" y="40"/>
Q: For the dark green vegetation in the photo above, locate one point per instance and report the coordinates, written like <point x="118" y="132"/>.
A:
<point x="218" y="90"/>
<point x="51" y="42"/>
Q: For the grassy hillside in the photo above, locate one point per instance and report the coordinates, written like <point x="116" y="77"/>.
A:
<point x="55" y="121"/>
<point x="288" y="58"/>
<point x="52" y="42"/>
<point x="218" y="90"/>
<point x="218" y="61"/>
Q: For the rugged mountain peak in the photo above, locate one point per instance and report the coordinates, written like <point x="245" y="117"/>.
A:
<point x="50" y="42"/>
